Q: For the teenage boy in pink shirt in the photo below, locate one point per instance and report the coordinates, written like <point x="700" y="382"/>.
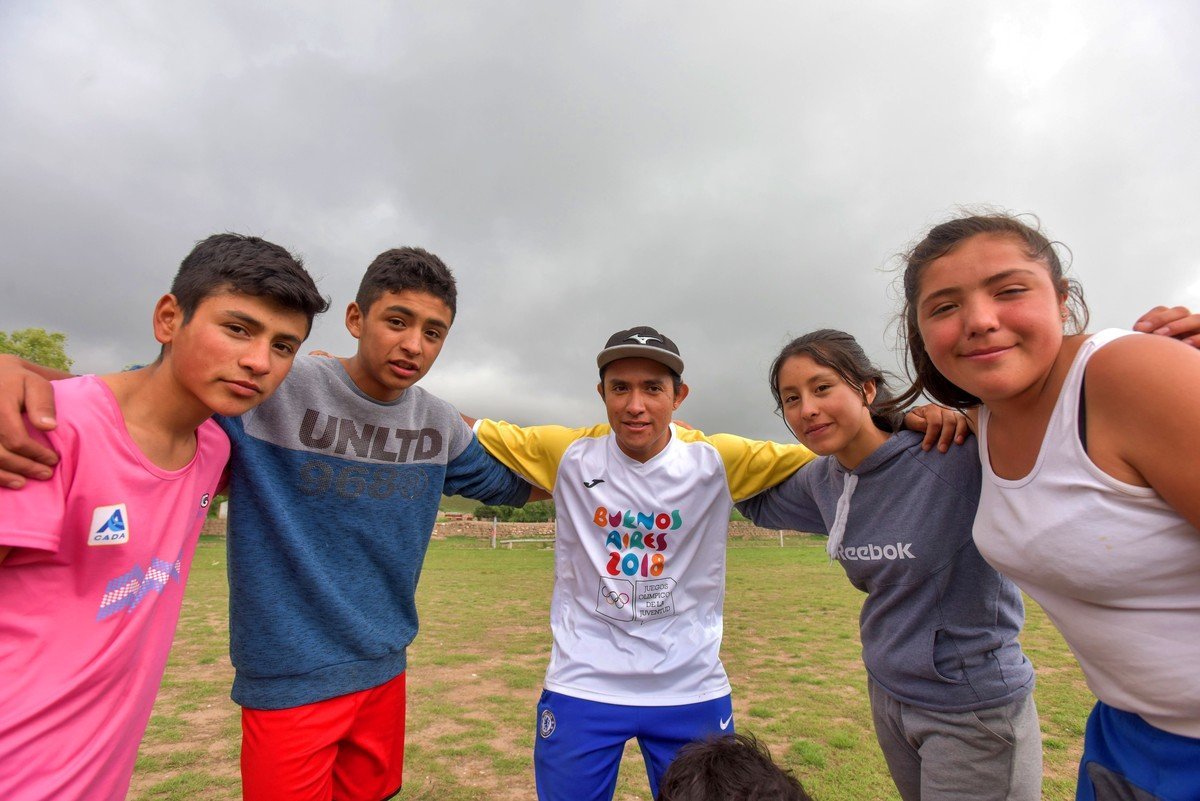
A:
<point x="93" y="561"/>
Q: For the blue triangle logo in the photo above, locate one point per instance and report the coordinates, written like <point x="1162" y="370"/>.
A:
<point x="115" y="522"/>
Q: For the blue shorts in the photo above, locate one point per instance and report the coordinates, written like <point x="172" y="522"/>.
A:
<point x="578" y="746"/>
<point x="1124" y="757"/>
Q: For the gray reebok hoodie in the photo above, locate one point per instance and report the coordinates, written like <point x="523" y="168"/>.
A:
<point x="939" y="625"/>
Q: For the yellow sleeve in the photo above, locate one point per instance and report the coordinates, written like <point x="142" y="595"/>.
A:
<point x="752" y="466"/>
<point x="532" y="452"/>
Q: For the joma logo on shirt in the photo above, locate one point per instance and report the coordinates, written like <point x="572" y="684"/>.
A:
<point x="342" y="436"/>
<point x="901" y="550"/>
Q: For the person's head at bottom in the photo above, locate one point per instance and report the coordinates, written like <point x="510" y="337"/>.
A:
<point x="732" y="767"/>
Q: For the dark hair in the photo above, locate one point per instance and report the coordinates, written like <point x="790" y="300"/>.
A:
<point x="676" y="378"/>
<point x="841" y="353"/>
<point x="940" y="241"/>
<point x="399" y="269"/>
<point x="731" y="767"/>
<point x="247" y="265"/>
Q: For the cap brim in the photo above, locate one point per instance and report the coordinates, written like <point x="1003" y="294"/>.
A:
<point x="664" y="357"/>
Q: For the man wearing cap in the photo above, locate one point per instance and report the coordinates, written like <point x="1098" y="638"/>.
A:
<point x="642" y="520"/>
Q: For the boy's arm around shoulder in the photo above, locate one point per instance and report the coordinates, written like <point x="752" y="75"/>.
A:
<point x="533" y="452"/>
<point x="1144" y="393"/>
<point x="25" y="391"/>
<point x="753" y="465"/>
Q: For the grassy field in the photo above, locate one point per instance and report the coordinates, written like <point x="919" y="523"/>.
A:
<point x="791" y="649"/>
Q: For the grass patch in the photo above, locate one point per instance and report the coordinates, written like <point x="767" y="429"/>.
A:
<point x="791" y="649"/>
<point x="807" y="753"/>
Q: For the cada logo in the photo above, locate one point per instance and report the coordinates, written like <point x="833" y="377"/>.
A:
<point x="110" y="525"/>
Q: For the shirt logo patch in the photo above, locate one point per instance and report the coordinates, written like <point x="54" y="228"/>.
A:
<point x="871" y="553"/>
<point x="204" y="500"/>
<point x="614" y="599"/>
<point x="110" y="525"/>
<point x="547" y="724"/>
<point x="593" y="482"/>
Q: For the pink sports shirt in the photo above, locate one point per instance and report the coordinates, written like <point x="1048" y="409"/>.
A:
<point x="90" y="596"/>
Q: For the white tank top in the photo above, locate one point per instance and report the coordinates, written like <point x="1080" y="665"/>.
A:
<point x="1115" y="567"/>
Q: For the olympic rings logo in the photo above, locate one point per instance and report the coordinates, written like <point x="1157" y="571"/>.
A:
<point x="617" y="599"/>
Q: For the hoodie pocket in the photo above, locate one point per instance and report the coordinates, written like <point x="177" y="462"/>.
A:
<point x="947" y="658"/>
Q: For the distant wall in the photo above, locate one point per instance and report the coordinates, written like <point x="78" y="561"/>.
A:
<point x="738" y="529"/>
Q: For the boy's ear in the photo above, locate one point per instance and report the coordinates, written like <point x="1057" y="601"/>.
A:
<point x="354" y="319"/>
<point x="168" y="319"/>
<point x="680" y="395"/>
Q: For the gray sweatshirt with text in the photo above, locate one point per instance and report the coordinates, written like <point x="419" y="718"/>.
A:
<point x="939" y="625"/>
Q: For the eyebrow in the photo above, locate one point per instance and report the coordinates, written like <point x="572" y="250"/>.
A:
<point x="816" y="378"/>
<point x="991" y="280"/>
<point x="649" y="382"/>
<point x="254" y="323"/>
<point x="407" y="312"/>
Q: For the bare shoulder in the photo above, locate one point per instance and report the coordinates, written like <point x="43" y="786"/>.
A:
<point x="1145" y="387"/>
<point x="1143" y="402"/>
<point x="1136" y="367"/>
<point x="1144" y="398"/>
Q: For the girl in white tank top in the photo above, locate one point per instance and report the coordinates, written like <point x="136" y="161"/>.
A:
<point x="1091" y="457"/>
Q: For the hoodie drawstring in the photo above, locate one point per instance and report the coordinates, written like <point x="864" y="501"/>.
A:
<point x="838" y="529"/>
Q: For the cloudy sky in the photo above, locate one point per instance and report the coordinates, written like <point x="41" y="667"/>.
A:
<point x="733" y="174"/>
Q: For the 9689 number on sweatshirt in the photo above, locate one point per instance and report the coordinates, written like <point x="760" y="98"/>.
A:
<point x="357" y="480"/>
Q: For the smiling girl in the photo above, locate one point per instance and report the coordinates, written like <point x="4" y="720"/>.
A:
<point x="1090" y="447"/>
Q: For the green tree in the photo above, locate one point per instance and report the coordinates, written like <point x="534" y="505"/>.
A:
<point x="47" y="348"/>
<point x="501" y="513"/>
<point x="536" y="512"/>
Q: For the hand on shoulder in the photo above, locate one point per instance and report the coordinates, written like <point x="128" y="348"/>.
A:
<point x="1175" y="321"/>
<point x="942" y="426"/>
<point x="25" y="392"/>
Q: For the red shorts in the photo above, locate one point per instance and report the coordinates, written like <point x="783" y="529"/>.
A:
<point x="349" y="748"/>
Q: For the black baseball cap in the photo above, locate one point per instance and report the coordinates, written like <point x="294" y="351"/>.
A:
<point x="641" y="342"/>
